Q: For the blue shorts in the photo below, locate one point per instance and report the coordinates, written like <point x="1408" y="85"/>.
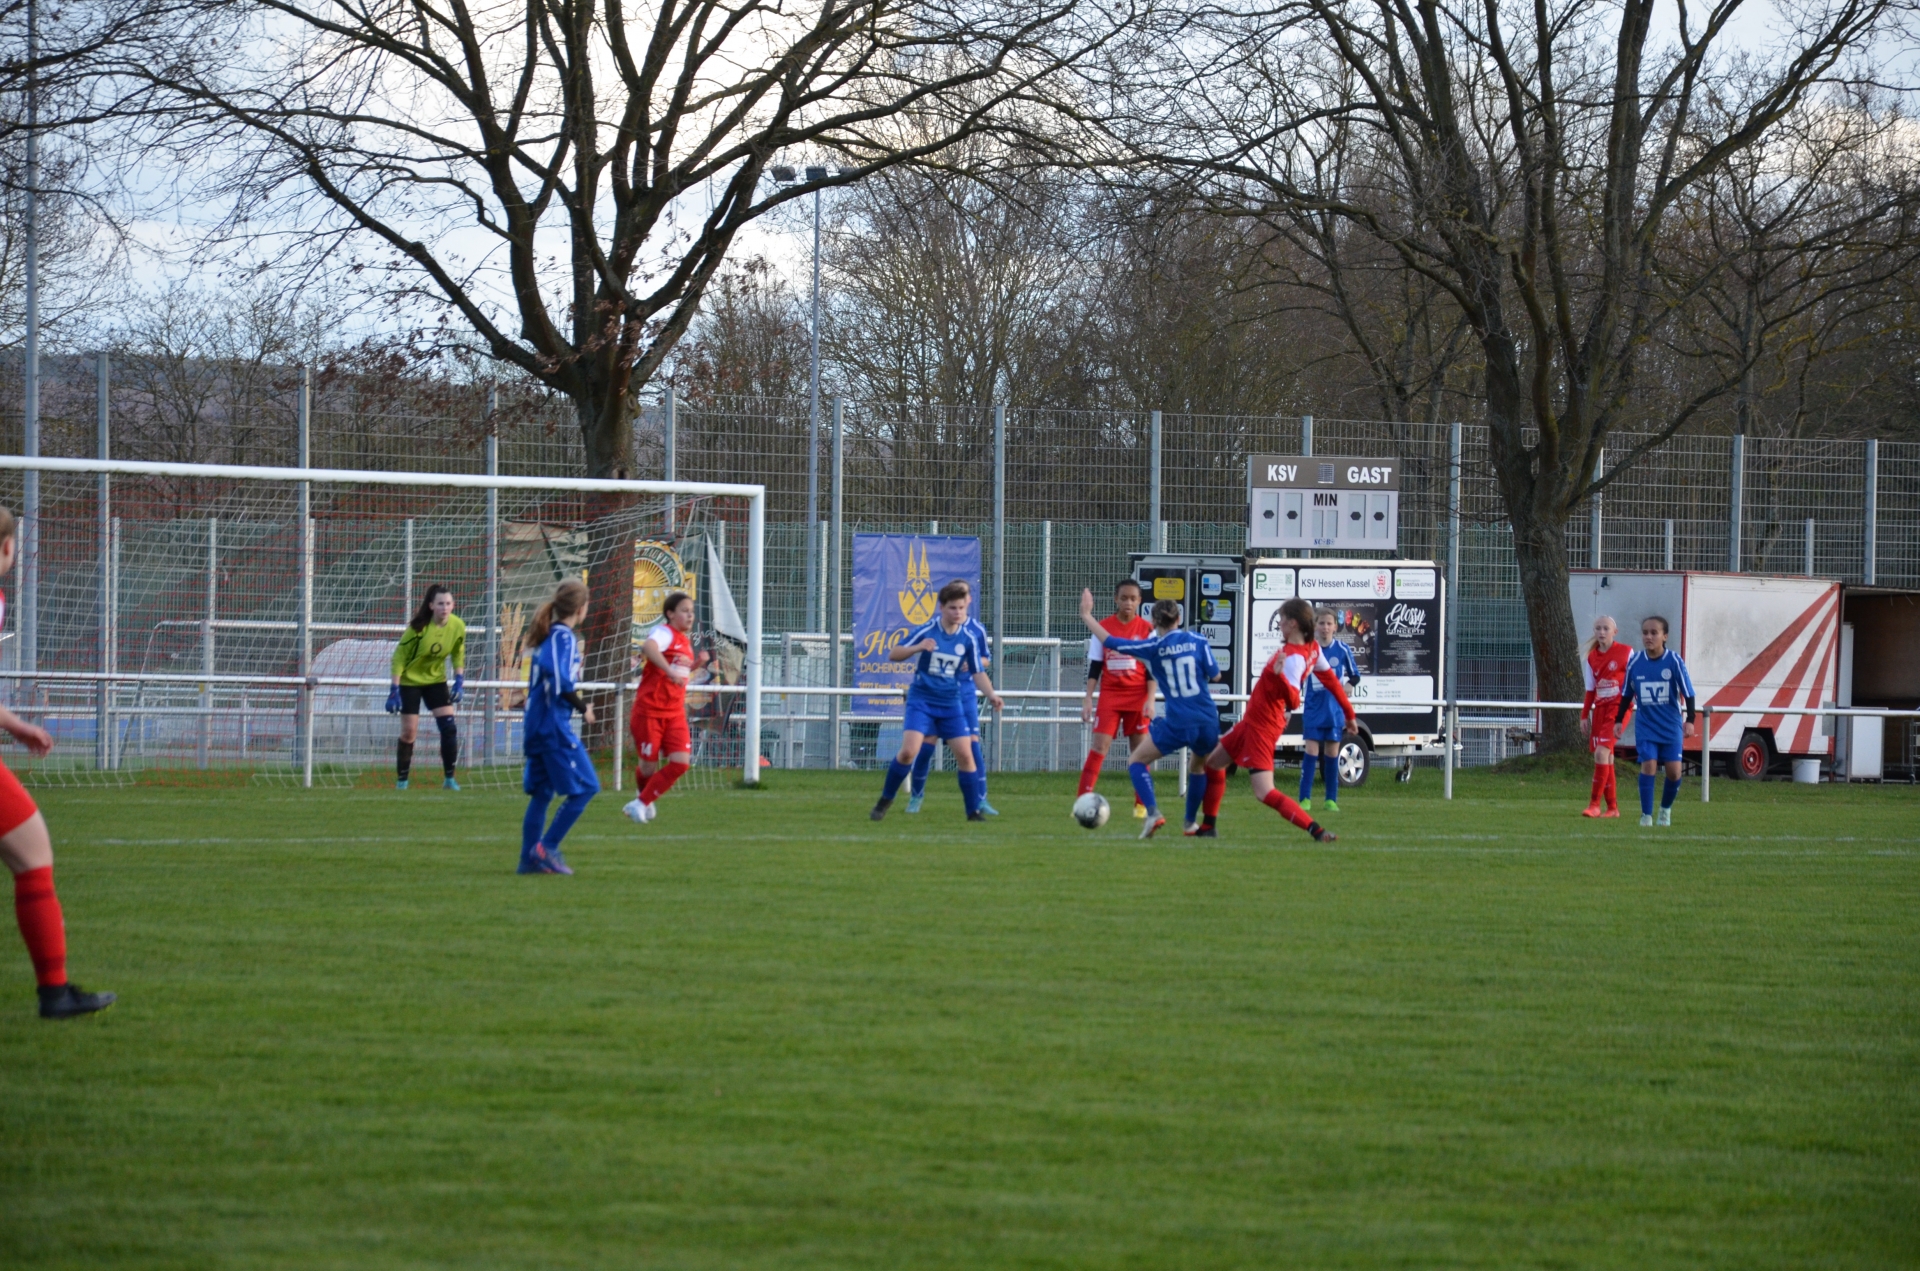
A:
<point x="565" y="771"/>
<point x="1659" y="750"/>
<point x="1323" y="725"/>
<point x="1170" y="735"/>
<point x="945" y="720"/>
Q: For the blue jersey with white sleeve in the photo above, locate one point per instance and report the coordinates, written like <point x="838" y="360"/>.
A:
<point x="1181" y="663"/>
<point x="1321" y="705"/>
<point x="941" y="674"/>
<point x="552" y="672"/>
<point x="1660" y="688"/>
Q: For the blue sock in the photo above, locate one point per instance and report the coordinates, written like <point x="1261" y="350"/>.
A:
<point x="1646" y="794"/>
<point x="570" y="809"/>
<point x="1196" y="791"/>
<point x="972" y="790"/>
<point x="896" y="773"/>
<point x="534" y="822"/>
<point x="1306" y="777"/>
<point x="1671" y="792"/>
<point x="922" y="765"/>
<point x="980" y="766"/>
<point x="1330" y="764"/>
<point x="1143" y="786"/>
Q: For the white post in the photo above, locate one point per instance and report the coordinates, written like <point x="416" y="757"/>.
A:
<point x="303" y="408"/>
<point x="1871" y="550"/>
<point x="1809" y="569"/>
<point x="670" y="431"/>
<point x="1046" y="632"/>
<point x="1668" y="556"/>
<point x="1706" y="754"/>
<point x="756" y="577"/>
<point x="1598" y="524"/>
<point x="113" y="631"/>
<point x="1306" y="452"/>
<point x="103" y="517"/>
<point x="406" y="570"/>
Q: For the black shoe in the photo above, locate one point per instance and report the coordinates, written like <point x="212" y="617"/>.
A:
<point x="64" y="1001"/>
<point x="976" y="815"/>
<point x="879" y="812"/>
<point x="1321" y="834"/>
<point x="1206" y="832"/>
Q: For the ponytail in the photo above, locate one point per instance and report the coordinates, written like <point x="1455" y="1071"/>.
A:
<point x="568" y="599"/>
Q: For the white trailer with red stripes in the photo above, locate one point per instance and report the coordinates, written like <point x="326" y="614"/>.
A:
<point x="1752" y="643"/>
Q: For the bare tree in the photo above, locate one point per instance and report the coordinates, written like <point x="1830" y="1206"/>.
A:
<point x="569" y="177"/>
<point x="1523" y="158"/>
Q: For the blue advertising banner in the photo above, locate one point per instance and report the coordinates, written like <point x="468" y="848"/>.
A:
<point x="896" y="581"/>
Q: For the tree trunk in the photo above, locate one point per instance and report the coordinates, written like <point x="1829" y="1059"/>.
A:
<point x="606" y="430"/>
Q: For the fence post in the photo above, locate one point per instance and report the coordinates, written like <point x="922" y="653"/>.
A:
<point x="1809" y="570"/>
<point x="1706" y="755"/>
<point x="1451" y="623"/>
<point x="835" y="475"/>
<point x="999" y="570"/>
<point x="113" y="630"/>
<point x="669" y="429"/>
<point x="1306" y="452"/>
<point x="1046" y="632"/>
<point x="1667" y="557"/>
<point x="1736" y="500"/>
<point x="1156" y="528"/>
<point x="103" y="528"/>
<point x="1597" y="527"/>
<point x="1869" y="563"/>
<point x="206" y="639"/>
<point x="303" y="409"/>
<point x="490" y="701"/>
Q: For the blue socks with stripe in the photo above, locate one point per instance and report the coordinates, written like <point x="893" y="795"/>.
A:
<point x="1646" y="794"/>
<point x="570" y="810"/>
<point x="534" y="822"/>
<point x="1306" y="776"/>
<point x="1142" y="780"/>
<point x="896" y="773"/>
<point x="973" y="789"/>
<point x="1670" y="792"/>
<point x="1330" y="765"/>
<point x="922" y="765"/>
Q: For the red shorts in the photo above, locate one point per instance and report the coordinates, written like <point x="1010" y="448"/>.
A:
<point x="1604" y="731"/>
<point x="657" y="736"/>
<point x="1116" y="721"/>
<point x="1252" y="747"/>
<point x="16" y="805"/>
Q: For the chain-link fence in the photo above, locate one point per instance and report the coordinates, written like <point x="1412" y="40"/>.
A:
<point x="1078" y="492"/>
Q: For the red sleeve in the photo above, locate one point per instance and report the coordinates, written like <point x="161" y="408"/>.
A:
<point x="1586" y="704"/>
<point x="1332" y="681"/>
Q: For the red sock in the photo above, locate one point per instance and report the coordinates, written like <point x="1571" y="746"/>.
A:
<point x="1090" y="771"/>
<point x="1287" y="808"/>
<point x="663" y="781"/>
<point x="41" y="925"/>
<point x="1613" y="777"/>
<point x="1599" y="784"/>
<point x="1216" y="791"/>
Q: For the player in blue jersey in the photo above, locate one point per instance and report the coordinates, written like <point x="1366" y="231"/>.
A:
<point x="1323" y="719"/>
<point x="1181" y="663"/>
<point x="1663" y="709"/>
<point x="917" y="784"/>
<point x="947" y="653"/>
<point x="557" y="764"/>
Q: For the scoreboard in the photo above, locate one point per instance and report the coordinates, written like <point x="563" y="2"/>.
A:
<point x="1299" y="502"/>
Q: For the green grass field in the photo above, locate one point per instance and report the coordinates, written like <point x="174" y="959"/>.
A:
<point x="763" y="1032"/>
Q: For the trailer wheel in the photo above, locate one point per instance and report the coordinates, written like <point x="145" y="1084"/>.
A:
<point x="1354" y="763"/>
<point x="1753" y="758"/>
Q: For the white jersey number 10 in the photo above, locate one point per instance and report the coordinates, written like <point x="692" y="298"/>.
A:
<point x="1186" y="677"/>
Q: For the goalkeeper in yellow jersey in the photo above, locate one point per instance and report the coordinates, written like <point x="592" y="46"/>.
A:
<point x="433" y="641"/>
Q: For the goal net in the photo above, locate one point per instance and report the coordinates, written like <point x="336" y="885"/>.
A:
<point x="196" y="624"/>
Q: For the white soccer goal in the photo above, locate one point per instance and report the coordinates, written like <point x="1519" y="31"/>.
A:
<point x="229" y="623"/>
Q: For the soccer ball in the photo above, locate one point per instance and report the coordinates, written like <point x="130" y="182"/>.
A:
<point x="1091" y="811"/>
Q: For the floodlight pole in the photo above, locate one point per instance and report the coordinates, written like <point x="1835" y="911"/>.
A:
<point x="1450" y="623"/>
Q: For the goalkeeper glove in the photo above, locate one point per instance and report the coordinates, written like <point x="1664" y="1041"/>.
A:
<point x="459" y="686"/>
<point x="393" y="701"/>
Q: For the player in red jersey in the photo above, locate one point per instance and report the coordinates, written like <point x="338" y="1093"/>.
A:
<point x="27" y="849"/>
<point x="1249" y="744"/>
<point x="659" y="722"/>
<point x="1126" y="690"/>
<point x="1604" y="709"/>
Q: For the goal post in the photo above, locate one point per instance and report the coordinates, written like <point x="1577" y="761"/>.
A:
<point x="223" y="617"/>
